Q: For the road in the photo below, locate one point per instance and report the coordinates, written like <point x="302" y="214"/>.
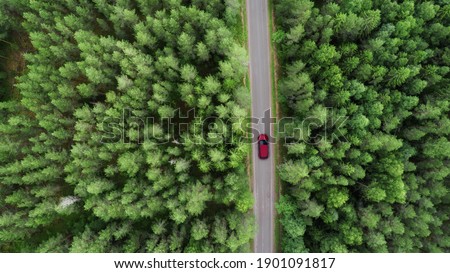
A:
<point x="261" y="89"/>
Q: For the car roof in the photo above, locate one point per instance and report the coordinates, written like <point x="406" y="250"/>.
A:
<point x="263" y="150"/>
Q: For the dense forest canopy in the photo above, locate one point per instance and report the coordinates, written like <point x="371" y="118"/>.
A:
<point x="365" y="165"/>
<point x="63" y="189"/>
<point x="379" y="182"/>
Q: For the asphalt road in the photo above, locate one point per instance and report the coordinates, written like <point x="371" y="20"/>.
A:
<point x="261" y="89"/>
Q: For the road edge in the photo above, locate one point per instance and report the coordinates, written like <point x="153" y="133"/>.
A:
<point x="274" y="67"/>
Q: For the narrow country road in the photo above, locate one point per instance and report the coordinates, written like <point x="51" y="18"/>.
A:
<point x="261" y="89"/>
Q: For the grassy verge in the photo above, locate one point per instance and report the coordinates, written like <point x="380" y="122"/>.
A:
<point x="277" y="147"/>
<point x="242" y="35"/>
<point x="240" y="29"/>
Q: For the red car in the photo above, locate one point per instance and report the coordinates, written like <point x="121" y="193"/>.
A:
<point x="263" y="146"/>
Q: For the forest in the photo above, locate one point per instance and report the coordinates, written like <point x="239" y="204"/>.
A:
<point x="365" y="163"/>
<point x="62" y="187"/>
<point x="378" y="179"/>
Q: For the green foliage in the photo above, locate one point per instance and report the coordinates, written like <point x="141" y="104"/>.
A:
<point x="376" y="182"/>
<point x="293" y="172"/>
<point x="79" y="169"/>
